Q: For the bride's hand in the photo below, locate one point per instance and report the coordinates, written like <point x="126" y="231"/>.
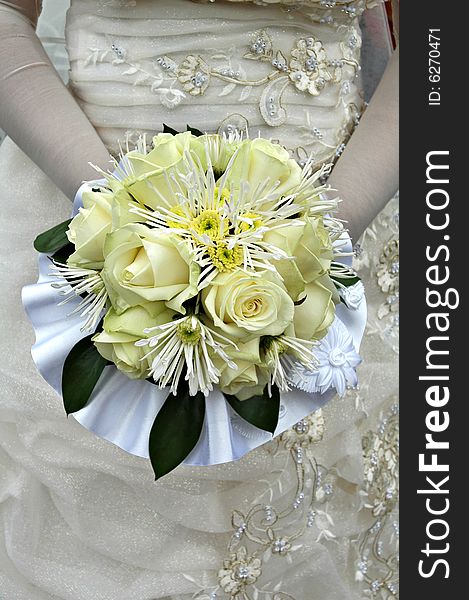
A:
<point x="36" y="109"/>
<point x="366" y="175"/>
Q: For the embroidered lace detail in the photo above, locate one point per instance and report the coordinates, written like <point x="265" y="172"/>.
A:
<point x="378" y="563"/>
<point x="272" y="532"/>
<point x="269" y="532"/>
<point x="309" y="69"/>
<point x="383" y="263"/>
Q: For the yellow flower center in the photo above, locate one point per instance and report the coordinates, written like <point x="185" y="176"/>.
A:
<point x="224" y="258"/>
<point x="254" y="222"/>
<point x="224" y="195"/>
<point x="189" y="332"/>
<point x="207" y="223"/>
<point x="177" y="210"/>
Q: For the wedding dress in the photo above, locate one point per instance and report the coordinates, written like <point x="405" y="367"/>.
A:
<point x="311" y="514"/>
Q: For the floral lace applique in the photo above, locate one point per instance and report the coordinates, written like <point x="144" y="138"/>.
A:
<point x="267" y="532"/>
<point x="383" y="262"/>
<point x="161" y="80"/>
<point x="270" y="532"/>
<point x="309" y="69"/>
<point x="378" y="562"/>
<point x="387" y="274"/>
<point x="312" y="137"/>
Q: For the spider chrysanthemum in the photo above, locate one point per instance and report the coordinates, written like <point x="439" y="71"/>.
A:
<point x="223" y="223"/>
<point x="186" y="344"/>
<point x="74" y="282"/>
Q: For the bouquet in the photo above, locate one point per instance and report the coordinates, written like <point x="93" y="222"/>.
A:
<point x="206" y="267"/>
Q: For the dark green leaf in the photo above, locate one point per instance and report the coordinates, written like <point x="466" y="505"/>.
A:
<point x="168" y="129"/>
<point x="176" y="430"/>
<point x="343" y="274"/>
<point x="194" y="131"/>
<point x="82" y="369"/>
<point x="62" y="255"/>
<point x="190" y="306"/>
<point x="346" y="281"/>
<point x="53" y="239"/>
<point x="261" y="411"/>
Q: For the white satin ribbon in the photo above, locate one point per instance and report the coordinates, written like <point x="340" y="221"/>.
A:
<point x="122" y="410"/>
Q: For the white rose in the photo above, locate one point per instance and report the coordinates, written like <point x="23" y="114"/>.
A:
<point x="88" y="229"/>
<point x="242" y="305"/>
<point x="308" y="242"/>
<point x="144" y="265"/>
<point x="150" y="171"/>
<point x="249" y="378"/>
<point x="116" y="342"/>
<point x="316" y="313"/>
<point x="259" y="160"/>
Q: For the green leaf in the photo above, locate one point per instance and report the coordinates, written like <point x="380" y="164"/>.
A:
<point x="53" y="239"/>
<point x="195" y="132"/>
<point x="62" y="255"/>
<point x="176" y="430"/>
<point x="261" y="411"/>
<point x="342" y="275"/>
<point x="345" y="281"/>
<point x="82" y="369"/>
<point x="168" y="129"/>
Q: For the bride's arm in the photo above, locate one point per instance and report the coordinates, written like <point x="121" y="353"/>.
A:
<point x="36" y="109"/>
<point x="366" y="175"/>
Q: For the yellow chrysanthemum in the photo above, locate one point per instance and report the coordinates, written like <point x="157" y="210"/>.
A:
<point x="253" y="222"/>
<point x="208" y="223"/>
<point x="188" y="332"/>
<point x="224" y="195"/>
<point x="226" y="259"/>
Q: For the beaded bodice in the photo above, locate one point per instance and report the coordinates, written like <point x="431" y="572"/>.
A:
<point x="326" y="11"/>
<point x="287" y="70"/>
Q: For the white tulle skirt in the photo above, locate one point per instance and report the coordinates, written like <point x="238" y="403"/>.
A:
<point x="81" y="519"/>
